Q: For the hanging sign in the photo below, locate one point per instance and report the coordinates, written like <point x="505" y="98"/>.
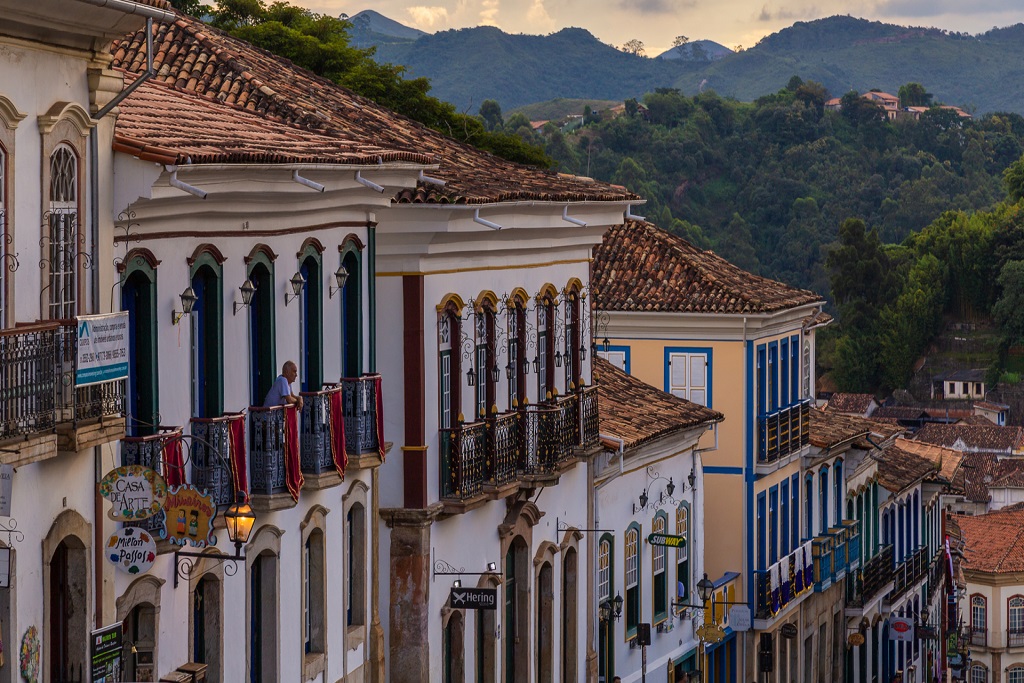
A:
<point x="188" y="517"/>
<point x="132" y="550"/>
<point x="901" y="629"/>
<point x="667" y="540"/>
<point x="6" y="488"/>
<point x="474" y="598"/>
<point x="855" y="640"/>
<point x="105" y="650"/>
<point x="711" y="633"/>
<point x="135" y="492"/>
<point x="102" y="348"/>
<point x="739" y="618"/>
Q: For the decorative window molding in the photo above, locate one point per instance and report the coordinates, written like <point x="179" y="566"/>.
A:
<point x="313" y="530"/>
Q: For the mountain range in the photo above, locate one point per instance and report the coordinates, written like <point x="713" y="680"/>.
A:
<point x="467" y="66"/>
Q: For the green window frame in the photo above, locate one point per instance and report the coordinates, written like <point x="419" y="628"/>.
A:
<point x="311" y="313"/>
<point x="659" y="569"/>
<point x="206" y="277"/>
<point x="262" y="325"/>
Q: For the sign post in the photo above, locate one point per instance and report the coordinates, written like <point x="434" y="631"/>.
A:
<point x="105" y="649"/>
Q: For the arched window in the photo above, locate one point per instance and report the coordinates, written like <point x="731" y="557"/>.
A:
<point x="605" y="588"/>
<point x="314" y="636"/>
<point x="574" y="348"/>
<point x="484" y="359"/>
<point x="546" y="331"/>
<point x="517" y="366"/>
<point x="570" y="614"/>
<point x="352" y="311"/>
<point x="311" y="325"/>
<point x="837" y="493"/>
<point x="355" y="531"/>
<point x="1015" y="674"/>
<point x="516" y="625"/>
<point x="823" y="498"/>
<point x="979" y="619"/>
<point x="63" y="239"/>
<point x="1015" y="622"/>
<point x="979" y="674"/>
<point x="449" y="335"/>
<point x="659" y="572"/>
<point x="683" y="553"/>
<point x="632" y="607"/>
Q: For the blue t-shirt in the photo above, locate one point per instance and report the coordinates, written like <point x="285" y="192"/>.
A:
<point x="280" y="389"/>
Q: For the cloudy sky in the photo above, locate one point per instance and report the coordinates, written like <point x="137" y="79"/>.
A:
<point x="657" y="22"/>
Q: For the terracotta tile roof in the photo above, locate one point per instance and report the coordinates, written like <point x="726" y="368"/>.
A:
<point x="900" y="468"/>
<point x="976" y="475"/>
<point x="991" y="405"/>
<point x="640" y="267"/>
<point x="994" y="542"/>
<point x="191" y="56"/>
<point x="898" y="412"/>
<point x="1008" y="473"/>
<point x="850" y="403"/>
<point x="636" y="412"/>
<point x="160" y="124"/>
<point x="830" y="429"/>
<point x="946" y="460"/>
<point x="974" y="437"/>
<point x="975" y="420"/>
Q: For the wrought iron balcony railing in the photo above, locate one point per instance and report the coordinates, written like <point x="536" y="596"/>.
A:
<point x="317" y="454"/>
<point x="908" y="572"/>
<point x="266" y="450"/>
<point x="783" y="432"/>
<point x="463" y="460"/>
<point x="211" y="453"/>
<point x="783" y="582"/>
<point x="359" y="406"/>
<point x="979" y="636"/>
<point x="37" y="381"/>
<point x="875" y="575"/>
<point x="533" y="440"/>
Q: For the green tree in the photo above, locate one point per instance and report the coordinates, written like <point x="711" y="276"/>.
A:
<point x="490" y="112"/>
<point x="914" y="95"/>
<point x="633" y="46"/>
<point x="1013" y="179"/>
<point x="1009" y="309"/>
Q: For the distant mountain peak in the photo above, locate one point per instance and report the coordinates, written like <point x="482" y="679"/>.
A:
<point x="371" y="21"/>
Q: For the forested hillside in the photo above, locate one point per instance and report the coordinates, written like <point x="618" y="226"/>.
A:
<point x="768" y="184"/>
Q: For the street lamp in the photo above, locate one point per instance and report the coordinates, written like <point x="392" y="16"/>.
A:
<point x="297" y="282"/>
<point x="239" y="520"/>
<point x="247" y="289"/>
<point x="610" y="610"/>
<point x="188" y="302"/>
<point x="340" y="275"/>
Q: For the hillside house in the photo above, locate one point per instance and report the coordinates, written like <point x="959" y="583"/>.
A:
<point x="959" y="385"/>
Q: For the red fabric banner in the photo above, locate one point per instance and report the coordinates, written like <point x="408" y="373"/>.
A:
<point x="380" y="415"/>
<point x="174" y="462"/>
<point x="336" y="423"/>
<point x="292" y="464"/>
<point x="236" y="454"/>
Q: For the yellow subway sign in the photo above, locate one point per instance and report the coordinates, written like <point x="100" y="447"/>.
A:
<point x="667" y="540"/>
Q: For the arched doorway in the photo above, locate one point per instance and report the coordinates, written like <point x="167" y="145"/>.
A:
<point x="516" y="629"/>
<point x="263" y="618"/>
<point x="545" y="623"/>
<point x="138" y="298"/>
<point x="207" y="625"/>
<point x="140" y="633"/>
<point x="570" y="580"/>
<point x="455" y="649"/>
<point x="67" y="635"/>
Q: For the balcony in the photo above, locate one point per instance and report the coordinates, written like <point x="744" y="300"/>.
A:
<point x="532" y="444"/>
<point x="359" y="407"/>
<point x="908" y="572"/>
<point x="267" y="469"/>
<point x="783" y="432"/>
<point x="874" y="579"/>
<point x="316" y="451"/>
<point x="979" y="637"/>
<point x="211" y="456"/>
<point x="782" y="584"/>
<point x="39" y="404"/>
<point x="1014" y="637"/>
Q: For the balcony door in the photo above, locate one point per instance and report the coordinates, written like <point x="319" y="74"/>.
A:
<point x="138" y="298"/>
<point x="262" y="363"/>
<point x="311" y="364"/>
<point x="352" y="314"/>
<point x="206" y="625"/>
<point x="207" y="340"/>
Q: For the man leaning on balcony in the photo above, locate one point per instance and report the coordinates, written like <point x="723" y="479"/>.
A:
<point x="280" y="393"/>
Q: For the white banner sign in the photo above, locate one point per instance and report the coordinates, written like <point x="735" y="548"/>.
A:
<point x="102" y="348"/>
